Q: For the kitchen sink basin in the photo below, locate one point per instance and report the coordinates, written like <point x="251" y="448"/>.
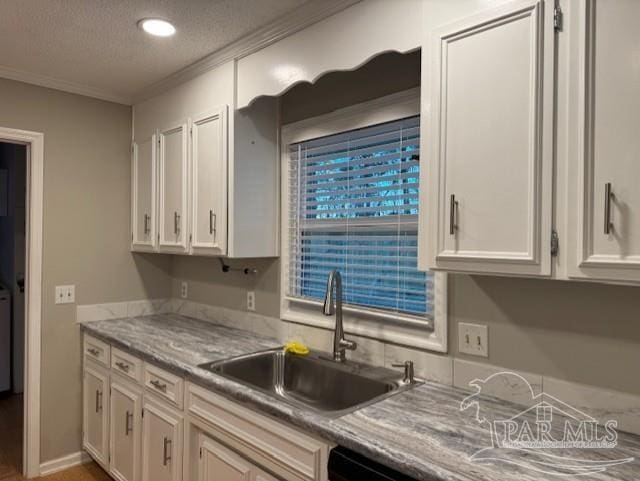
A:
<point x="313" y="381"/>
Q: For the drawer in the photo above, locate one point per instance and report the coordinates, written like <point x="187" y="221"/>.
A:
<point x="166" y="385"/>
<point x="96" y="350"/>
<point x="126" y="364"/>
<point x="260" y="437"/>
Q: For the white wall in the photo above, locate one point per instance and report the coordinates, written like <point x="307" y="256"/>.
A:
<point x="87" y="189"/>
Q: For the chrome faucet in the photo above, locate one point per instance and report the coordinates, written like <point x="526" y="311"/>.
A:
<point x="334" y="306"/>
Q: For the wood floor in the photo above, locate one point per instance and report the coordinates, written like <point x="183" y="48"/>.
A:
<point x="10" y="436"/>
<point x="11" y="449"/>
<point x="86" y="472"/>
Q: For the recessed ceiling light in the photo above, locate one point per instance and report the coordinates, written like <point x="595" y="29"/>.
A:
<point x="157" y="27"/>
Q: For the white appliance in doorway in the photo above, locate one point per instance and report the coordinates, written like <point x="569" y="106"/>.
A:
<point x="5" y="340"/>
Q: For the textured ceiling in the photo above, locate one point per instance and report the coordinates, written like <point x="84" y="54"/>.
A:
<point x="97" y="44"/>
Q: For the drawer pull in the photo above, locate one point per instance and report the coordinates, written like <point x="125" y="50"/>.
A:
<point x="158" y="385"/>
<point x="123" y="366"/>
<point x="166" y="453"/>
<point x="93" y="352"/>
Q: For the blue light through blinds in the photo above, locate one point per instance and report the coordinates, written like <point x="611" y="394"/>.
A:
<point x="354" y="207"/>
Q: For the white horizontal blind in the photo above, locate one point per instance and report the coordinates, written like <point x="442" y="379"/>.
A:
<point x="354" y="207"/>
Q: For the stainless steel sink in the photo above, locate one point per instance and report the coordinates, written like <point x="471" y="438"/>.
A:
<point x="312" y="381"/>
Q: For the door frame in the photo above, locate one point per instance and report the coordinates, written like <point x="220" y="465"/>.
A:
<point x="33" y="295"/>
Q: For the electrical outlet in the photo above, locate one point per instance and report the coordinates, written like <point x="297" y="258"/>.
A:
<point x="251" y="301"/>
<point x="184" y="289"/>
<point x="65" y="294"/>
<point x="473" y="339"/>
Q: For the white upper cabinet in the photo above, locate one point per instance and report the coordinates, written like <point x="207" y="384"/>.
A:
<point x="143" y="212"/>
<point x="217" y="171"/>
<point x="604" y="179"/>
<point x="487" y="206"/>
<point x="209" y="183"/>
<point x="173" y="163"/>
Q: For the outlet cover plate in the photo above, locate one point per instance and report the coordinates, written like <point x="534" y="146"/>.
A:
<point x="251" y="300"/>
<point x="184" y="289"/>
<point x="473" y="339"/>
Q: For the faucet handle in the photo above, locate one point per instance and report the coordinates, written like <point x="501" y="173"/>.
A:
<point x="347" y="344"/>
<point x="409" y="376"/>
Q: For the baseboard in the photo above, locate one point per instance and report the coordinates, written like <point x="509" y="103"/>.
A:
<point x="65" y="462"/>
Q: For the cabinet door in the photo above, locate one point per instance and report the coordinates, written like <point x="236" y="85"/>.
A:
<point x="209" y="183"/>
<point x="220" y="464"/>
<point x="173" y="186"/>
<point x="605" y="199"/>
<point x="161" y="443"/>
<point x="489" y="167"/>
<point x="260" y="475"/>
<point x="125" y="432"/>
<point x="143" y="195"/>
<point x="95" y="413"/>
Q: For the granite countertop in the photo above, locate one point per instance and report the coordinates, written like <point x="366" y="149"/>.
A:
<point x="421" y="432"/>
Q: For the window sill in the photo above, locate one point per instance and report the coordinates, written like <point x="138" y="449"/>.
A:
<point x="384" y="327"/>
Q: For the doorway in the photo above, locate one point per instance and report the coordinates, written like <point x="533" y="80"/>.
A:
<point x="13" y="170"/>
<point x="21" y="192"/>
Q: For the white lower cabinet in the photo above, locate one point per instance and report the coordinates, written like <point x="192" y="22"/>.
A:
<point x="125" y="431"/>
<point x="288" y="453"/>
<point x="220" y="464"/>
<point x="95" y="412"/>
<point x="141" y="423"/>
<point x="217" y="463"/>
<point x="161" y="442"/>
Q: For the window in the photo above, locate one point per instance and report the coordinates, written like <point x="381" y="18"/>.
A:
<point x="354" y="207"/>
<point x="350" y="202"/>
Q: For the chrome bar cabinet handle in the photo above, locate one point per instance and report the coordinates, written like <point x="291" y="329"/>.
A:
<point x="608" y="195"/>
<point x="98" y="401"/>
<point x="176" y="220"/>
<point x="128" y="428"/>
<point x="123" y="367"/>
<point x="158" y="385"/>
<point x="453" y="207"/>
<point x="146" y="223"/>
<point x="166" y="453"/>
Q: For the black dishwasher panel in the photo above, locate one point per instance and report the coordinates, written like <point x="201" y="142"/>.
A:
<point x="346" y="465"/>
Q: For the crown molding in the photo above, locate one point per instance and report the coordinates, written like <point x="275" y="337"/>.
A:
<point x="292" y="22"/>
<point x="299" y="19"/>
<point x="63" y="85"/>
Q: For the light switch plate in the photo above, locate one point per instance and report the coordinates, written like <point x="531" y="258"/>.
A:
<point x="65" y="294"/>
<point x="473" y="339"/>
